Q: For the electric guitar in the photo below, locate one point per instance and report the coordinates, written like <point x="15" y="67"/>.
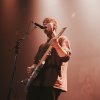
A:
<point x="38" y="67"/>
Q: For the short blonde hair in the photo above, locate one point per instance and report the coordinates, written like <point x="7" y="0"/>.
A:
<point x="48" y="20"/>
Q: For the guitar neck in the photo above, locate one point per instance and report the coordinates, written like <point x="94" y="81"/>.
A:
<point x="49" y="49"/>
<point x="45" y="56"/>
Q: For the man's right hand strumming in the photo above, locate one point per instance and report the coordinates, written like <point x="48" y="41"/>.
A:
<point x="30" y="70"/>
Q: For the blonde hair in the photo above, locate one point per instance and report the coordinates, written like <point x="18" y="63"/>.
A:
<point x="48" y="20"/>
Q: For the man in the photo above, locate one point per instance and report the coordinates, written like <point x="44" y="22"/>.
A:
<point x="52" y="78"/>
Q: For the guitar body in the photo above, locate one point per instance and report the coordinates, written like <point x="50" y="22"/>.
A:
<point x="33" y="75"/>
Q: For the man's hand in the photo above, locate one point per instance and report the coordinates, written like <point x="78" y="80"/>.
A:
<point x="54" y="43"/>
<point x="30" y="70"/>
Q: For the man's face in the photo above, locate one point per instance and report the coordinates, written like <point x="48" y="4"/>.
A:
<point x="49" y="30"/>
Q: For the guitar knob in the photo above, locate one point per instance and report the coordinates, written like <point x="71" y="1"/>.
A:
<point x="43" y="62"/>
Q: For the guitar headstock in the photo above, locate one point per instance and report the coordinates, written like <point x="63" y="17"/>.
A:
<point x="63" y="29"/>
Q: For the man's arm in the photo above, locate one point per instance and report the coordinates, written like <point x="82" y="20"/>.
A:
<point x="62" y="48"/>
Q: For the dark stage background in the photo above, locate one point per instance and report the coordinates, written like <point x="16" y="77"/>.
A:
<point x="82" y="17"/>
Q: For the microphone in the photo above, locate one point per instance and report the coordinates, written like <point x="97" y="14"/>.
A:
<point x="40" y="26"/>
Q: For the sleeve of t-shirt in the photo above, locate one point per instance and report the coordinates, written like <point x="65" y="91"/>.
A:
<point x="65" y="44"/>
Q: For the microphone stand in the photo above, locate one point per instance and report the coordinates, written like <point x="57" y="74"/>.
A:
<point x="18" y="42"/>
